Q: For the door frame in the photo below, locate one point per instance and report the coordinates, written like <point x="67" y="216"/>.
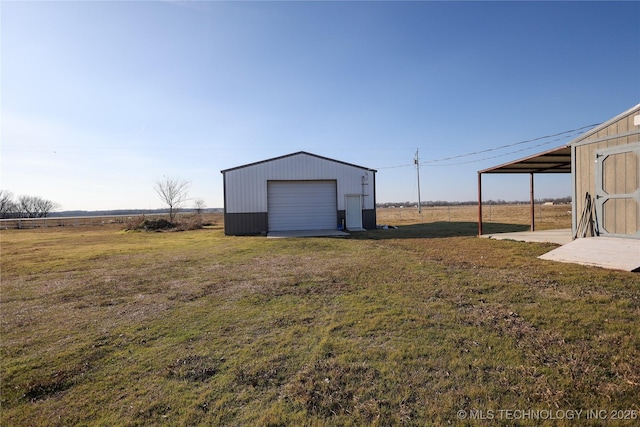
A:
<point x="349" y="214"/>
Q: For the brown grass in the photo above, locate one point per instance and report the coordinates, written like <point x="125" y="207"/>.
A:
<point x="546" y="216"/>
<point x="388" y="327"/>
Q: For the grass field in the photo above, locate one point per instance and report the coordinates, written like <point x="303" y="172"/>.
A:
<point x="423" y="325"/>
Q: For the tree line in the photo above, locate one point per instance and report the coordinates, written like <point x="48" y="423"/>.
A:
<point x="172" y="191"/>
<point x="25" y="206"/>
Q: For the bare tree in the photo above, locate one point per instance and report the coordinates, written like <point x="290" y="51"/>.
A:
<point x="173" y="192"/>
<point x="199" y="205"/>
<point x="7" y="205"/>
<point x="45" y="207"/>
<point x="27" y="207"/>
<point x="35" y="207"/>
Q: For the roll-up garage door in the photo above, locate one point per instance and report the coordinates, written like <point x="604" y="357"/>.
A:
<point x="301" y="205"/>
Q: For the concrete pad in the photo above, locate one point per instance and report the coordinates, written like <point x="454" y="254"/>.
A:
<point x="560" y="237"/>
<point x="306" y="233"/>
<point x="607" y="252"/>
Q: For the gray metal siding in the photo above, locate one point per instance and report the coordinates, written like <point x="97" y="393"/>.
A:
<point x="246" y="188"/>
<point x="238" y="224"/>
<point x="369" y="219"/>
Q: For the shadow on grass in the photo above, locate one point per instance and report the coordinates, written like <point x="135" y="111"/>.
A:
<point x="440" y="229"/>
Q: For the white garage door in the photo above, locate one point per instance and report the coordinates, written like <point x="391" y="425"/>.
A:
<point x="302" y="205"/>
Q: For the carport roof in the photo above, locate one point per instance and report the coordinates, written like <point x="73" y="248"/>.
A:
<point x="557" y="160"/>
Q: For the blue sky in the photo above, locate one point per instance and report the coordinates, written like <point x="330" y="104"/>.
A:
<point x="101" y="99"/>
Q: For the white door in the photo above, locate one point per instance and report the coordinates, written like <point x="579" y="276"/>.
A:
<point x="302" y="205"/>
<point x="353" y="212"/>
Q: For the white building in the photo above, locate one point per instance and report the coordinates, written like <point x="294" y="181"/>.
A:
<point x="298" y="191"/>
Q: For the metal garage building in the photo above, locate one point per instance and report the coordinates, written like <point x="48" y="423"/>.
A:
<point x="298" y="191"/>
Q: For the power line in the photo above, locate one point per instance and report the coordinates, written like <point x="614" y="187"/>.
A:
<point x="497" y="148"/>
<point x="510" y="152"/>
<point x="512" y="145"/>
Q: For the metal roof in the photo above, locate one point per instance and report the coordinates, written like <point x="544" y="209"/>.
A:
<point x="557" y="160"/>
<point x="295" y="154"/>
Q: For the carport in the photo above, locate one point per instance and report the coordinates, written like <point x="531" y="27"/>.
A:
<point x="557" y="160"/>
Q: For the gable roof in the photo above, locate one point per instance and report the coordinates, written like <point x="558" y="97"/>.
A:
<point x="295" y="154"/>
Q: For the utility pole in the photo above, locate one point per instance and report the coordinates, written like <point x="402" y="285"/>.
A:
<point x="417" y="162"/>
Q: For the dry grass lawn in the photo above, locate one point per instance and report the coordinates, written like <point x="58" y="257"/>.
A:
<point x="423" y="325"/>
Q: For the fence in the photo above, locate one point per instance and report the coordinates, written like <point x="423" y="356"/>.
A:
<point x="69" y="221"/>
<point x="98" y="220"/>
<point x="555" y="215"/>
<point x="76" y="221"/>
<point x="552" y="216"/>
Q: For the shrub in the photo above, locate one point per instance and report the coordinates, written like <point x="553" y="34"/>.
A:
<point x="193" y="222"/>
<point x="141" y="223"/>
<point x="149" y="224"/>
<point x="133" y="222"/>
<point x="157" y="224"/>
